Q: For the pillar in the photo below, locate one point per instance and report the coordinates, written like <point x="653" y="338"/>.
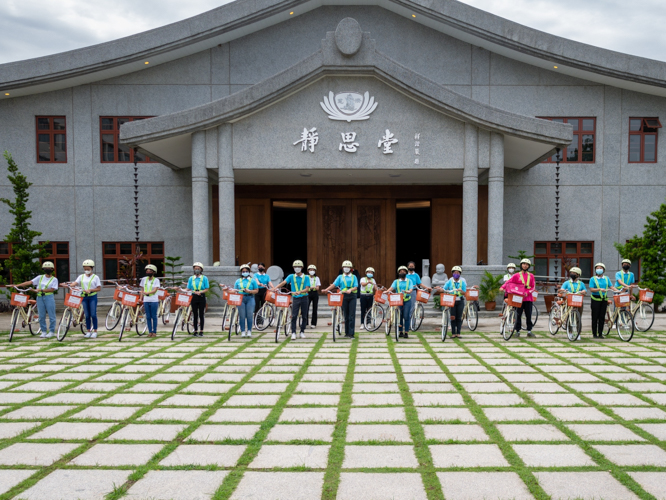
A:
<point x="226" y="196"/>
<point x="200" y="203"/>
<point x="470" y="196"/>
<point x="496" y="200"/>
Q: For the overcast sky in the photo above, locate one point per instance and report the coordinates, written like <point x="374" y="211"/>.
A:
<point x="33" y="28"/>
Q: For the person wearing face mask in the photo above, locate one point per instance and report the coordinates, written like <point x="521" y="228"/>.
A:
<point x="46" y="284"/>
<point x="348" y="285"/>
<point x="525" y="279"/>
<point x="199" y="285"/>
<point x="300" y="285"/>
<point x="263" y="281"/>
<point x="458" y="286"/>
<point x="313" y="295"/>
<point x="625" y="278"/>
<point x="404" y="286"/>
<point x="368" y="288"/>
<point x="247" y="287"/>
<point x="150" y="285"/>
<point x="90" y="284"/>
<point x="510" y="270"/>
<point x="599" y="286"/>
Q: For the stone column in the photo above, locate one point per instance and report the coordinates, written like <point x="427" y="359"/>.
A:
<point x="470" y="196"/>
<point x="226" y="196"/>
<point x="496" y="200"/>
<point x="200" y="213"/>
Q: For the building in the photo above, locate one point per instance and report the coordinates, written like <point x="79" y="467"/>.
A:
<point x="378" y="132"/>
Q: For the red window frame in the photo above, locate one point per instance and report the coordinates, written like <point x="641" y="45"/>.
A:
<point x="114" y="251"/>
<point x="109" y="126"/>
<point x="60" y="258"/>
<point x="51" y="132"/>
<point x="553" y="253"/>
<point x="578" y="138"/>
<point x="642" y="133"/>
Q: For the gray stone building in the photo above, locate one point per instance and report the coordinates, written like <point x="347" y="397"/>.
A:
<point x="373" y="131"/>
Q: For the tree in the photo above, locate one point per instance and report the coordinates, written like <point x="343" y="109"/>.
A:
<point x="651" y="250"/>
<point x="24" y="262"/>
<point x="522" y="254"/>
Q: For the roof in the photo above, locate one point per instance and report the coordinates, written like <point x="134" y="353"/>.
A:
<point x="243" y="17"/>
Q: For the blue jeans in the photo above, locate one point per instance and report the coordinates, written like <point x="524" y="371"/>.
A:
<point x="246" y="312"/>
<point x="90" y="310"/>
<point x="46" y="304"/>
<point x="151" y="315"/>
<point x="406" y="315"/>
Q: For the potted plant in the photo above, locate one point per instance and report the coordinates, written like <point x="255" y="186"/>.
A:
<point x="489" y="288"/>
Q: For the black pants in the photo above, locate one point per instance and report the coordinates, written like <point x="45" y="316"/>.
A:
<point x="313" y="298"/>
<point x="299" y="304"/>
<point x="598" y="316"/>
<point x="527" y="308"/>
<point x="198" y="310"/>
<point x="349" y="312"/>
<point x="259" y="299"/>
<point x="366" y="304"/>
<point x="456" y="316"/>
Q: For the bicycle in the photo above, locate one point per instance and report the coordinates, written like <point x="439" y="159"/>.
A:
<point x="422" y="297"/>
<point x="184" y="317"/>
<point x="393" y="319"/>
<point x="164" y="309"/>
<point x="621" y="317"/>
<point x="115" y="311"/>
<point x="283" y="303"/>
<point x="470" y="312"/>
<point x="643" y="307"/>
<point x="234" y="299"/>
<point x="446" y="302"/>
<point x="133" y="313"/>
<point x="26" y="309"/>
<point x="335" y="301"/>
<point x="267" y="313"/>
<point x="374" y="318"/>
<point x="73" y="314"/>
<point x="535" y="311"/>
<point x="566" y="314"/>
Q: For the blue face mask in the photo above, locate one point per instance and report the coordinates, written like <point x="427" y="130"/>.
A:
<point x="369" y="275"/>
<point x="600" y="272"/>
<point x="246" y="274"/>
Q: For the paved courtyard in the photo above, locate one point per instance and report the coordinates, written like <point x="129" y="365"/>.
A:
<point x="370" y="419"/>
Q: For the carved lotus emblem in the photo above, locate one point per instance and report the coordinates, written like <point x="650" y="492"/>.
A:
<point x="348" y="106"/>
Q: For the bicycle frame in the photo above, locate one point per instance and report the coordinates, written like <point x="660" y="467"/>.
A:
<point x="28" y="315"/>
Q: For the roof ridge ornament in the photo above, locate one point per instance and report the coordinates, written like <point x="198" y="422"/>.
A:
<point x="348" y="36"/>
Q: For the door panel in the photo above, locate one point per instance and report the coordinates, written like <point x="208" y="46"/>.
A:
<point x="335" y="237"/>
<point x="253" y="230"/>
<point x="369" y="236"/>
<point x="446" y="233"/>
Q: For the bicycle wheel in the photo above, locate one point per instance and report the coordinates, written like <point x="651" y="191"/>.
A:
<point x="644" y="317"/>
<point x="417" y="317"/>
<point x="446" y="320"/>
<point x="63" y="326"/>
<point x="554" y="319"/>
<point x="625" y="325"/>
<point x="12" y="328"/>
<point x="124" y="318"/>
<point x="141" y="321"/>
<point x="166" y="310"/>
<point x="396" y="325"/>
<point x="509" y="326"/>
<point x="33" y="321"/>
<point x="573" y="325"/>
<point x="535" y="316"/>
<point x="82" y="322"/>
<point x="232" y="323"/>
<point x="472" y="317"/>
<point x="280" y="314"/>
<point x="224" y="316"/>
<point x="608" y="324"/>
<point x="374" y="318"/>
<point x="263" y="318"/>
<point x="189" y="324"/>
<point x="389" y="322"/>
<point x="113" y="316"/>
<point x="176" y="320"/>
<point x="335" y="322"/>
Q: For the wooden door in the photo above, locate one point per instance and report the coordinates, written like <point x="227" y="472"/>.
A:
<point x="369" y="236"/>
<point x="253" y="230"/>
<point x="446" y="233"/>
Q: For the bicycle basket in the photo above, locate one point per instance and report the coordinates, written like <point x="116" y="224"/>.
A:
<point x="446" y="300"/>
<point x="19" y="299"/>
<point x="535" y="295"/>
<point x="334" y="299"/>
<point x="130" y="300"/>
<point x="422" y="296"/>
<point x="235" y="299"/>
<point x="395" y="299"/>
<point x="622" y="299"/>
<point x="515" y="300"/>
<point x="574" y="300"/>
<point x="118" y="294"/>
<point x="270" y="296"/>
<point x="380" y="297"/>
<point x="161" y="294"/>
<point x="472" y="295"/>
<point x="646" y="295"/>
<point x="225" y="294"/>
<point x="283" y="300"/>
<point x="72" y="300"/>
<point x="183" y="299"/>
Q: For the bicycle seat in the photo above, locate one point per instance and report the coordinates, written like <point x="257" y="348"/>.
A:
<point x="32" y="301"/>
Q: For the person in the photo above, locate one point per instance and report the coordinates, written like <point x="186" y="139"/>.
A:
<point x="510" y="270"/>
<point x="599" y="286"/>
<point x="199" y="285"/>
<point x="149" y="286"/>
<point x="313" y="295"/>
<point x="90" y="284"/>
<point x="415" y="279"/>
<point x="457" y="286"/>
<point x="574" y="285"/>
<point x="263" y="281"/>
<point x="625" y="278"/>
<point x="248" y="288"/>
<point x="300" y="284"/>
<point x="46" y="284"/>
<point x="368" y="288"/>
<point x="348" y="285"/>
<point x="404" y="286"/>
<point x="525" y="279"/>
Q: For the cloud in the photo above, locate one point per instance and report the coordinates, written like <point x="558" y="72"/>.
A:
<point x="34" y="28"/>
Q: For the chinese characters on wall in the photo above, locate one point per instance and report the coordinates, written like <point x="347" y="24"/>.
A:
<point x="350" y="144"/>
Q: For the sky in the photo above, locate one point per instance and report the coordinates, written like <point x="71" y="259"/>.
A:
<point x="34" y="28"/>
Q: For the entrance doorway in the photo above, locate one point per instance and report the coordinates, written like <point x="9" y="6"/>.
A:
<point x="290" y="234"/>
<point x="412" y="231"/>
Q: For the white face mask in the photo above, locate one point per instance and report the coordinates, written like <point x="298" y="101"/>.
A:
<point x="88" y="272"/>
<point x="298" y="270"/>
<point x="312" y="273"/>
<point x="512" y="270"/>
<point x="346" y="270"/>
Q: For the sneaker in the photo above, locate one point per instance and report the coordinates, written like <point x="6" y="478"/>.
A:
<point x="401" y="335"/>
<point x="517" y="334"/>
<point x="531" y="335"/>
<point x="43" y="335"/>
<point x="302" y="335"/>
<point x="362" y="327"/>
<point x="312" y="327"/>
<point x="200" y="334"/>
<point x="293" y="336"/>
<point x="406" y="335"/>
<point x="49" y="335"/>
<point x="242" y="334"/>
<point x="87" y="335"/>
<point x="578" y="338"/>
<point x="249" y="335"/>
<point x="93" y="335"/>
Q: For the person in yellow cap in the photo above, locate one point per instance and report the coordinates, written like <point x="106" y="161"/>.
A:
<point x="348" y="285"/>
<point x="46" y="284"/>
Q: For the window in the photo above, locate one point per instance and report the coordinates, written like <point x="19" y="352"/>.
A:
<point x="548" y="254"/>
<point x="114" y="252"/>
<point x="581" y="149"/>
<point x="51" y="139"/>
<point x="5" y="254"/>
<point x="59" y="255"/>
<point x="111" y="149"/>
<point x="643" y="140"/>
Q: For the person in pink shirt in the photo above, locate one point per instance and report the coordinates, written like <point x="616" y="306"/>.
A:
<point x="524" y="281"/>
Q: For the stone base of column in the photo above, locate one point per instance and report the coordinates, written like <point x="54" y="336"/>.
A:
<point x="224" y="275"/>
